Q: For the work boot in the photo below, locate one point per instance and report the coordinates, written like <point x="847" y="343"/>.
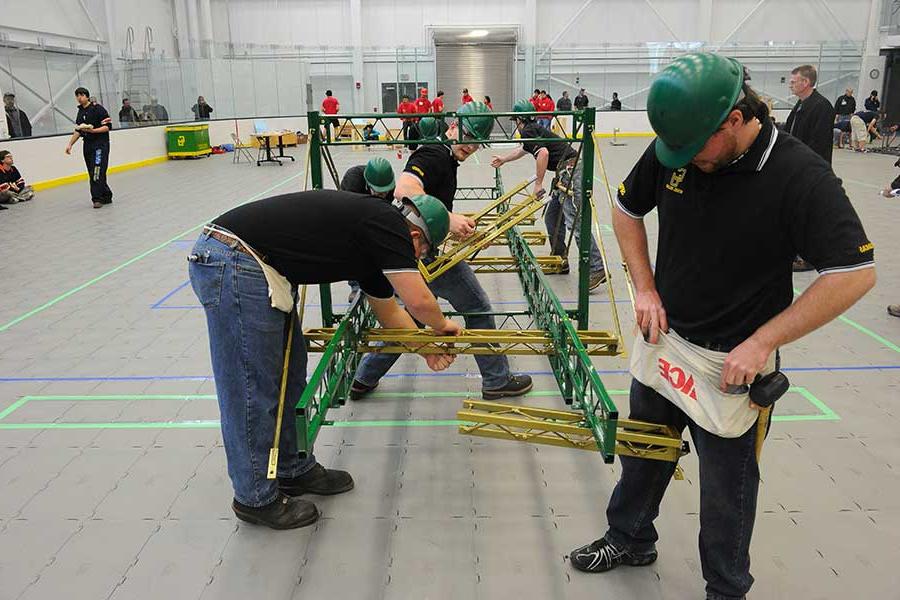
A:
<point x="564" y="269"/>
<point x="360" y="389"/>
<point x="516" y="386"/>
<point x="894" y="310"/>
<point x="319" y="481"/>
<point x="597" y="279"/>
<point x="801" y="266"/>
<point x="283" y="513"/>
<point x="600" y="556"/>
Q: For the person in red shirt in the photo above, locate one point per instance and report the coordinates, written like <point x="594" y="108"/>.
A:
<point x="438" y="105"/>
<point x="423" y="104"/>
<point x="466" y="98"/>
<point x="330" y="106"/>
<point x="536" y="99"/>
<point x="410" y="130"/>
<point x="487" y="102"/>
<point x="545" y="104"/>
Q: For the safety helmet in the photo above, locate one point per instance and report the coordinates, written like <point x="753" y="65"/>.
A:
<point x="432" y="218"/>
<point x="523" y="106"/>
<point x="428" y="128"/>
<point x="379" y="175"/>
<point x="480" y="124"/>
<point x="688" y="102"/>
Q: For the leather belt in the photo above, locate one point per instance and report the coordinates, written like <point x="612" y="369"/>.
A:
<point x="228" y="241"/>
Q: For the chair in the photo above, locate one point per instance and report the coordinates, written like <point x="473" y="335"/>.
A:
<point x="240" y="149"/>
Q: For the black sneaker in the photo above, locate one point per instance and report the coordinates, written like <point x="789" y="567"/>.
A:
<point x="597" y="279"/>
<point x="600" y="556"/>
<point x="318" y="480"/>
<point x="516" y="386"/>
<point x="284" y="513"/>
<point x="894" y="310"/>
<point x="360" y="389"/>
<point x="564" y="269"/>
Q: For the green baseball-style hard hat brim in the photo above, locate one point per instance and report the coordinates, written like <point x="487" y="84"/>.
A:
<point x="522" y="106"/>
<point x="688" y="101"/>
<point x="476" y="120"/>
<point x="433" y="214"/>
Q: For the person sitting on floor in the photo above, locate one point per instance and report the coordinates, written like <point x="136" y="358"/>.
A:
<point x="12" y="184"/>
<point x="371" y="134"/>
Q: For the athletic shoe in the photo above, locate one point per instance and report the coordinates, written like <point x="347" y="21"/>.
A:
<point x="98" y="205"/>
<point x="600" y="556"/>
<point x="894" y="310"/>
<point x="597" y="279"/>
<point x="283" y="513"/>
<point x="360" y="389"/>
<point x="516" y="386"/>
<point x="319" y="481"/>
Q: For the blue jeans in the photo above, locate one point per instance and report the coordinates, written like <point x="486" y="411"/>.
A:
<point x="461" y="289"/>
<point x="557" y="225"/>
<point x="729" y="481"/>
<point x="247" y="338"/>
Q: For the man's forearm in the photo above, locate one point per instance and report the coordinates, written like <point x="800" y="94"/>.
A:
<point x="827" y="298"/>
<point x="632" y="237"/>
<point x="390" y="315"/>
<point x="74" y="138"/>
<point x="540" y="170"/>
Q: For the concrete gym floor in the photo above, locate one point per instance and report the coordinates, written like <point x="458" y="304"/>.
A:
<point x="112" y="474"/>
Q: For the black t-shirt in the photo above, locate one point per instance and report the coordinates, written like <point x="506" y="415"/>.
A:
<point x="867" y="116"/>
<point x="727" y="239"/>
<point x="354" y="180"/>
<point x="96" y="116"/>
<point x="324" y="236"/>
<point x="845" y="105"/>
<point x="435" y="166"/>
<point x="559" y="151"/>
<point x="615" y="105"/>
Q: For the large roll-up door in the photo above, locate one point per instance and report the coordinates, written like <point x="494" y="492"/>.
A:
<point x="486" y="69"/>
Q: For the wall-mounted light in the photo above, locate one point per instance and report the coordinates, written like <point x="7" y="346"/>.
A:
<point x="476" y="33"/>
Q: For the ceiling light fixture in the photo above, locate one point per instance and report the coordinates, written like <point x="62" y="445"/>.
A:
<point x="477" y="33"/>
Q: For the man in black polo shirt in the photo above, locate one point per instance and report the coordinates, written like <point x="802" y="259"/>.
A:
<point x="737" y="200"/>
<point x="92" y="124"/>
<point x="562" y="208"/>
<point x="432" y="170"/>
<point x="245" y="269"/>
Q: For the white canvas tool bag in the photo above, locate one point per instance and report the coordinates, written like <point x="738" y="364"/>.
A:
<point x="688" y="376"/>
<point x="279" y="287"/>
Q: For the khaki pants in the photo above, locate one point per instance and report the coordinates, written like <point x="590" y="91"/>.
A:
<point x="858" y="132"/>
<point x="11" y="197"/>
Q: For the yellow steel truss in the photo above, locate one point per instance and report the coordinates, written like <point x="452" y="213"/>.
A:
<point x="508" y="264"/>
<point x="470" y="341"/>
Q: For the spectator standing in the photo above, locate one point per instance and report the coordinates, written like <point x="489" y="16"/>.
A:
<point x="12" y="184"/>
<point x="872" y="102"/>
<point x="438" y="105"/>
<point x="487" y="102"/>
<point x="845" y="105"/>
<point x="536" y="99"/>
<point x="545" y="104"/>
<point x="812" y="119"/>
<point x="581" y="100"/>
<point x="156" y="111"/>
<point x="410" y="131"/>
<point x="17" y="122"/>
<point x="127" y="114"/>
<point x="423" y="104"/>
<point x="92" y="125"/>
<point x="565" y="103"/>
<point x="615" y="103"/>
<point x="330" y="106"/>
<point x="466" y="98"/>
<point x="201" y="110"/>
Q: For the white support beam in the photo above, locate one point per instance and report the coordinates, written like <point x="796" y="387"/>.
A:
<point x="837" y="21"/>
<point x="704" y="23"/>
<point x="529" y="30"/>
<point x="740" y="24"/>
<point x="356" y="43"/>
<point x="90" y="19"/>
<point x="565" y="29"/>
<point x="65" y="88"/>
<point x="33" y="91"/>
<point x="871" y="54"/>
<point x="663" y="21"/>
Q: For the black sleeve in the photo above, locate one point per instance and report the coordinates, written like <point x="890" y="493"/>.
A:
<point x="822" y="136"/>
<point x="825" y="228"/>
<point x="384" y="239"/>
<point x="637" y="194"/>
<point x="9" y="126"/>
<point x="101" y="117"/>
<point x="852" y="105"/>
<point x="531" y="131"/>
<point x="354" y="180"/>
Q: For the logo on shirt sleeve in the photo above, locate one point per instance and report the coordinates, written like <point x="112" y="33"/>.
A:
<point x="622" y="189"/>
<point x="866" y="247"/>
<point x="418" y="170"/>
<point x="678" y="176"/>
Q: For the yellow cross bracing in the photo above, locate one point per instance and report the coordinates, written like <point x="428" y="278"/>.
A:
<point x="566" y="429"/>
<point x="508" y="264"/>
<point x="455" y="252"/>
<point x="525" y="342"/>
<point x="532" y="238"/>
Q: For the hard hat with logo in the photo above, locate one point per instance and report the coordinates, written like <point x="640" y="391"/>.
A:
<point x="477" y="121"/>
<point x="688" y="102"/>
<point x="379" y="175"/>
<point x="523" y="106"/>
<point x="430" y="215"/>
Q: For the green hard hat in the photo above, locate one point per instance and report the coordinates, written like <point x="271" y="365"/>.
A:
<point x="379" y="175"/>
<point x="428" y="128"/>
<point x="523" y="106"/>
<point x="480" y="124"/>
<point x="433" y="214"/>
<point x="688" y="102"/>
